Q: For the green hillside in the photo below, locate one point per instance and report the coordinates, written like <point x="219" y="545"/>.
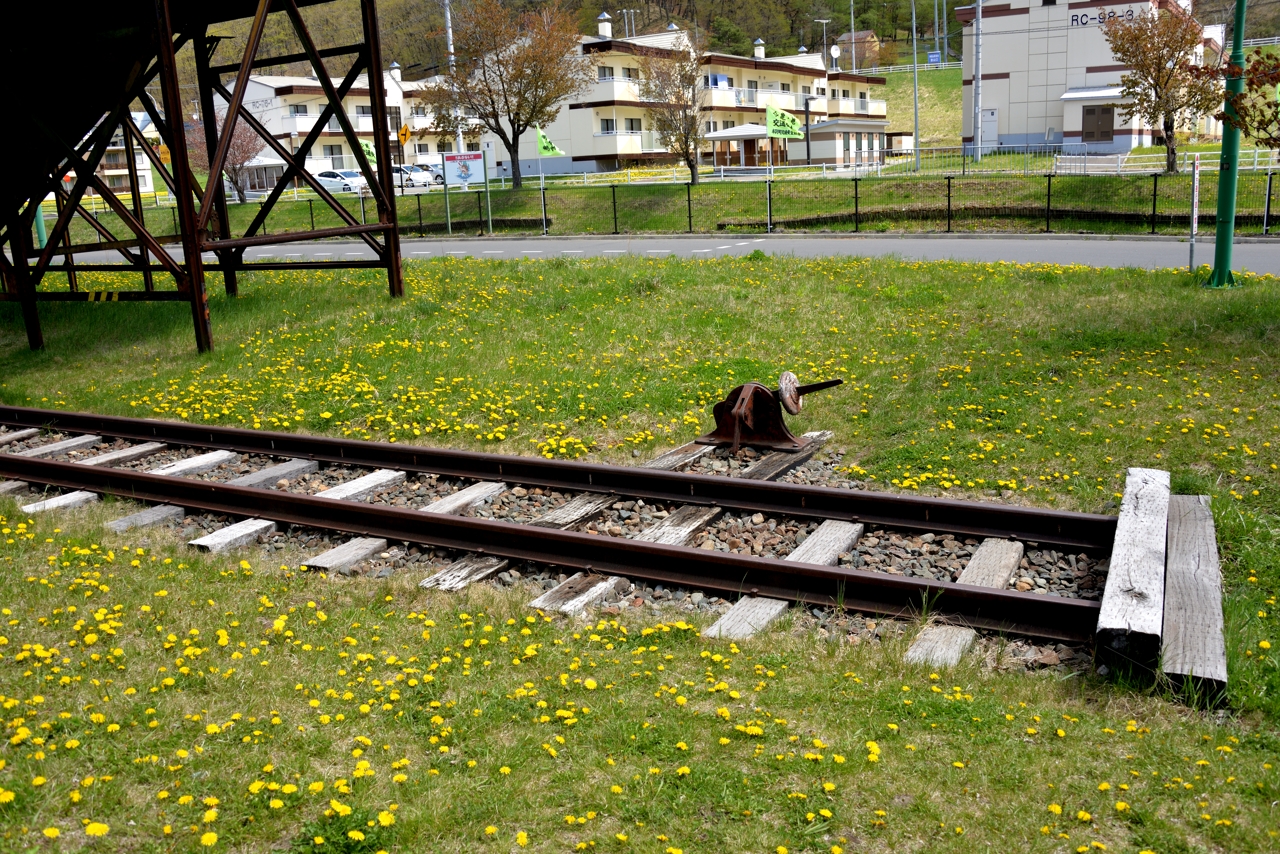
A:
<point x="939" y="105"/>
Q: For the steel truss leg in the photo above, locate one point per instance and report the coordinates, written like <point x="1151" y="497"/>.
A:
<point x="382" y="148"/>
<point x="204" y="47"/>
<point x="193" y="265"/>
<point x="18" y="248"/>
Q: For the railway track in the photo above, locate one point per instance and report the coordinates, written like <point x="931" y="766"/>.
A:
<point x="749" y="538"/>
<point x="465" y="486"/>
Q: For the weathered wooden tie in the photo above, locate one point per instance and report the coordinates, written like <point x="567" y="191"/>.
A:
<point x="465" y="499"/>
<point x="197" y="464"/>
<point x="8" y="437"/>
<point x="362" y="487"/>
<point x="233" y="536"/>
<point x="778" y="463"/>
<point x="680" y="527"/>
<point x="65" y="446"/>
<point x="124" y="455"/>
<point x="348" y="554"/>
<point x="678" y="458"/>
<point x="1131" y="619"/>
<point x="581" y="508"/>
<point x="1194" y="649"/>
<point x="466" y="571"/>
<point x="750" y="614"/>
<point x="271" y="475"/>
<point x="992" y="565"/>
<point x="65" y="501"/>
<point x="579" y="592"/>
<point x="156" y="515"/>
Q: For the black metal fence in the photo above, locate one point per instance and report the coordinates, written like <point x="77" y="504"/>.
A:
<point x="1100" y="204"/>
<point x="1108" y="204"/>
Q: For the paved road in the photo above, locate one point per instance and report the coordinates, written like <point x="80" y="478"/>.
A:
<point x="1064" y="249"/>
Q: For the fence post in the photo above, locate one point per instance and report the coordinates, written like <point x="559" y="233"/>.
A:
<point x="768" y="202"/>
<point x="418" y="197"/>
<point x="1048" y="202"/>
<point x="544" y="209"/>
<point x="480" y="211"/>
<point x="1155" y="187"/>
<point x="688" y="199"/>
<point x="361" y="195"/>
<point x="855" y="205"/>
<point x="311" y="208"/>
<point x="614" y="189"/>
<point x="948" y="204"/>
<point x="1266" y="210"/>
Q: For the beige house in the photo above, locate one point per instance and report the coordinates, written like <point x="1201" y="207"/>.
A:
<point x="607" y="128"/>
<point x="1049" y="77"/>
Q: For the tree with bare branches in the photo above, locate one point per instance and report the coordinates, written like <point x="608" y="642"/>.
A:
<point x="1161" y="84"/>
<point x="245" y="146"/>
<point x="513" y="70"/>
<point x="671" y="86"/>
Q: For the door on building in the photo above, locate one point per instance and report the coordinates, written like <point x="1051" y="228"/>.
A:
<point x="1099" y="124"/>
<point x="990" y="128"/>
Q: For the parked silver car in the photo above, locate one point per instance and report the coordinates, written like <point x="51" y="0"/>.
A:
<point x="338" y="182"/>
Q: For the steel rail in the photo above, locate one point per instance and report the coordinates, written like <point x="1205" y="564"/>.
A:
<point x="938" y="515"/>
<point x="1051" y="617"/>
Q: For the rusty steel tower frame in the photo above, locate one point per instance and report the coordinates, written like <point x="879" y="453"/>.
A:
<point x="72" y="150"/>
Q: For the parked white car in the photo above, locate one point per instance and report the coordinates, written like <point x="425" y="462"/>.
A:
<point x="337" y="182"/>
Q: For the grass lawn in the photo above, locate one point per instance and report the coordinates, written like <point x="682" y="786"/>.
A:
<point x="172" y="698"/>
<point x="940" y="108"/>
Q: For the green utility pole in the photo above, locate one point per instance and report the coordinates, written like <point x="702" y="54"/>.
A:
<point x="41" y="236"/>
<point x="1229" y="169"/>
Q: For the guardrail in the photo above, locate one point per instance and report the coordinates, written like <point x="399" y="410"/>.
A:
<point x="894" y="69"/>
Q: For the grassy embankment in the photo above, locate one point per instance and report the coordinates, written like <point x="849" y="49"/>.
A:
<point x="179" y="688"/>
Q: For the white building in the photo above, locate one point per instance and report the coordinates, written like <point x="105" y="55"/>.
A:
<point x="607" y="127"/>
<point x="1049" y="77"/>
<point x="114" y="166"/>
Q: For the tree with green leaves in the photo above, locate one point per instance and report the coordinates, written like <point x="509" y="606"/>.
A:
<point x="671" y="86"/>
<point x="1162" y="85"/>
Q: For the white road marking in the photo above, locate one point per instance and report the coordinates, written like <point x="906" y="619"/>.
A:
<point x="494" y="251"/>
<point x="726" y="246"/>
<point x="293" y="255"/>
<point x="758" y="240"/>
<point x="703" y="250"/>
<point x="743" y="243"/>
<point x="570" y="251"/>
<point x="456" y="252"/>
<point x="321" y="254"/>
<point x="657" y="250"/>
<point x="419" y="253"/>
<point x="354" y="254"/>
<point x="533" y="251"/>
<point x="614" y="251"/>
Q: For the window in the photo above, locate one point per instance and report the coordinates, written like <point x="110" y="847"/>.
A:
<point x="422" y="148"/>
<point x="729" y="82"/>
<point x="844" y="93"/>
<point x="806" y="90"/>
<point x="632" y="125"/>
<point x="473" y="146"/>
<point x="822" y="91"/>
<point x="607" y="126"/>
<point x="631" y="73"/>
<point x="786" y="87"/>
<point x="418" y="110"/>
<point x="364" y="109"/>
<point x="333" y="151"/>
<point x="751" y="84"/>
<point x="604" y="72"/>
<point x="710" y="127"/>
<point x="727" y="124"/>
<point x="444" y="146"/>
<point x="1099" y="124"/>
<point x="297" y="109"/>
<point x="115" y="182"/>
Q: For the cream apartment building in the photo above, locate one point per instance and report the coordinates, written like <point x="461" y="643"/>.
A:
<point x="1049" y="77"/>
<point x="607" y="127"/>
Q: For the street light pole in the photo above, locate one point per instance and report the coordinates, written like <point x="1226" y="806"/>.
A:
<point x="915" y="81"/>
<point x="824" y="22"/>
<point x="448" y="32"/>
<point x="853" y="40"/>
<point x="977" y="81"/>
<point x="1229" y="168"/>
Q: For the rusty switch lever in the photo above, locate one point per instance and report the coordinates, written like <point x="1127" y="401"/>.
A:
<point x="751" y="414"/>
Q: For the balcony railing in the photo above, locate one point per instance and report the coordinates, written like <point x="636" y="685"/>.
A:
<point x="857" y="106"/>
